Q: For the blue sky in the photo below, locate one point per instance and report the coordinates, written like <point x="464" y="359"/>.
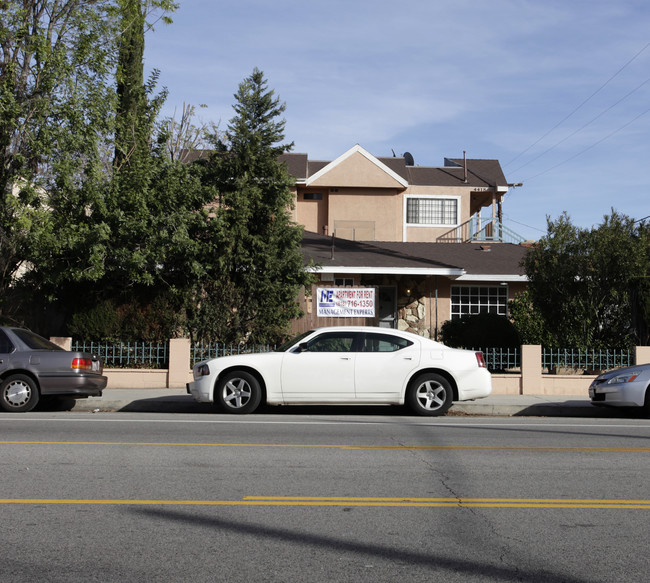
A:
<point x="557" y="91"/>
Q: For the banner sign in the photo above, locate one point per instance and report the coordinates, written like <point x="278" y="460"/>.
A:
<point x="345" y="302"/>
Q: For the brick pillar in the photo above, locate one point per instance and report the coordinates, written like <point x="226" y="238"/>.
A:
<point x="642" y="355"/>
<point x="180" y="370"/>
<point x="62" y="341"/>
<point x="531" y="370"/>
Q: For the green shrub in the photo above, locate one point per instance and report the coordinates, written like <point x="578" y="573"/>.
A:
<point x="480" y="331"/>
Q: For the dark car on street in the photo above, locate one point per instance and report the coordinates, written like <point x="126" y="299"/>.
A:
<point x="33" y="368"/>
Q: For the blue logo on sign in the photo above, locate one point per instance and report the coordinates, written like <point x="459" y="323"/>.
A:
<point x="326" y="298"/>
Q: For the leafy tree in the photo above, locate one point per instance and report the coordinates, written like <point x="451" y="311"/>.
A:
<point x="254" y="268"/>
<point x="56" y="63"/>
<point x="528" y="321"/>
<point x="585" y="283"/>
<point x="58" y="108"/>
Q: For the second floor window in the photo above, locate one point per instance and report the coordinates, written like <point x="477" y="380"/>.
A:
<point x="432" y="211"/>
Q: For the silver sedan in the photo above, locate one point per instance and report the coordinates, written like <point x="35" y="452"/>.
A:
<point x="622" y="387"/>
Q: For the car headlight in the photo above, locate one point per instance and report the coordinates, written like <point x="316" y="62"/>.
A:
<point x="623" y="378"/>
<point x="202" y="370"/>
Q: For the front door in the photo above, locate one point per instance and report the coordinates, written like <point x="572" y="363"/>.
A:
<point x="387" y="306"/>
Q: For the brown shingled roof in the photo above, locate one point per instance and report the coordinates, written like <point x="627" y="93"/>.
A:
<point x="480" y="173"/>
<point x="472" y="258"/>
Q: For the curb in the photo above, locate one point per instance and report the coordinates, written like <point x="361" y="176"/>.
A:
<point x="178" y="401"/>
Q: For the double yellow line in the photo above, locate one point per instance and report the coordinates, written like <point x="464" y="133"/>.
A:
<point x="406" y="502"/>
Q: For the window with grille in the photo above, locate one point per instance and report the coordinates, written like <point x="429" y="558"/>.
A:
<point x="432" y="211"/>
<point x="477" y="299"/>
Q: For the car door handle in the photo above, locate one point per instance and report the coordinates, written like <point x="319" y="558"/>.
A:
<point x="408" y="358"/>
<point x="346" y="357"/>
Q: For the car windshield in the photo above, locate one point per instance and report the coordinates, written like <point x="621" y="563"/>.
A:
<point x="293" y="342"/>
<point x="34" y="341"/>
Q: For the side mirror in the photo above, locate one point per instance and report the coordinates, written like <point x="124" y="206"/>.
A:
<point x="303" y="347"/>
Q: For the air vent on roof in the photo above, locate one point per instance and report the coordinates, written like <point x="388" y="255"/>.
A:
<point x="408" y="158"/>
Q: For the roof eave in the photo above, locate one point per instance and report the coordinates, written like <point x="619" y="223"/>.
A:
<point x="444" y="271"/>
<point x="507" y="278"/>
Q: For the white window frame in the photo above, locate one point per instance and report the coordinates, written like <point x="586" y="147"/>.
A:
<point x="432" y="197"/>
<point x="502" y="308"/>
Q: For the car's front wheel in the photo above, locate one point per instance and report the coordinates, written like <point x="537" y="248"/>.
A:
<point x="18" y="394"/>
<point x="430" y="394"/>
<point x="238" y="392"/>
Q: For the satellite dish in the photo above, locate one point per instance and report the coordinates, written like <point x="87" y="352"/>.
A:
<point x="408" y="158"/>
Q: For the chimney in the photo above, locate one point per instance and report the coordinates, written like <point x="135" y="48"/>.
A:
<point x="465" y="166"/>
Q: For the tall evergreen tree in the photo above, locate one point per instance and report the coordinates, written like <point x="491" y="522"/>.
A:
<point x="255" y="265"/>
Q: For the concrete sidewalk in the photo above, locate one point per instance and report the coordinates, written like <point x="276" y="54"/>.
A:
<point x="178" y="401"/>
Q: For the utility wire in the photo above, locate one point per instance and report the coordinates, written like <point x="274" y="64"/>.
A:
<point x="589" y="147"/>
<point x="582" y="127"/>
<point x="579" y="106"/>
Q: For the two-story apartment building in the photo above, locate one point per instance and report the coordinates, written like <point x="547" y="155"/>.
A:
<point x="413" y="246"/>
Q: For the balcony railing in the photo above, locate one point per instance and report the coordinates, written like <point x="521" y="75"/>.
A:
<point x="485" y="230"/>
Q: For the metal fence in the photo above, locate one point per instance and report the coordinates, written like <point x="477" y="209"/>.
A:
<point x="498" y="360"/>
<point x="502" y="360"/>
<point x="586" y="361"/>
<point x="201" y="351"/>
<point x="554" y="360"/>
<point x="128" y="354"/>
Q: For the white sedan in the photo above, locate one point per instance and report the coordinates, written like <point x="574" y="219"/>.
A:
<point x="345" y="366"/>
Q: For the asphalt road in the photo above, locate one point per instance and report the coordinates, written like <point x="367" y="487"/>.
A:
<point x="164" y="497"/>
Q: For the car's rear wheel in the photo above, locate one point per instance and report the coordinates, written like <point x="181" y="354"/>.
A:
<point x="430" y="394"/>
<point x="18" y="394"/>
<point x="238" y="392"/>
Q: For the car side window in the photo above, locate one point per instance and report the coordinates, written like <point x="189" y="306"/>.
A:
<point x="384" y="343"/>
<point x="332" y="342"/>
<point x="5" y="344"/>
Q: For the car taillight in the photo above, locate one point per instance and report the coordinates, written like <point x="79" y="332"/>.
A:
<point x="82" y="363"/>
<point x="480" y="360"/>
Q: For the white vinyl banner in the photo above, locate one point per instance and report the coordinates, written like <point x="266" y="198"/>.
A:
<point x="345" y="302"/>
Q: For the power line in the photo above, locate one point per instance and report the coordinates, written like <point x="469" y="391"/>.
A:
<point x="579" y="106"/>
<point x="589" y="147"/>
<point x="582" y="127"/>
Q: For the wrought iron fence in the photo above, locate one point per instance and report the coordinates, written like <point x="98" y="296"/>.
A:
<point x="502" y="360"/>
<point x="584" y="361"/>
<point x="564" y="360"/>
<point x="201" y="351"/>
<point x="128" y="354"/>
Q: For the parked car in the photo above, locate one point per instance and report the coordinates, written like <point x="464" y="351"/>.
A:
<point x="345" y="365"/>
<point x="622" y="387"/>
<point x="32" y="368"/>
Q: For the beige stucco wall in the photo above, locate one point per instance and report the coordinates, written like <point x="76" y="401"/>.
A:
<point x="356" y="171"/>
<point x="380" y="207"/>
